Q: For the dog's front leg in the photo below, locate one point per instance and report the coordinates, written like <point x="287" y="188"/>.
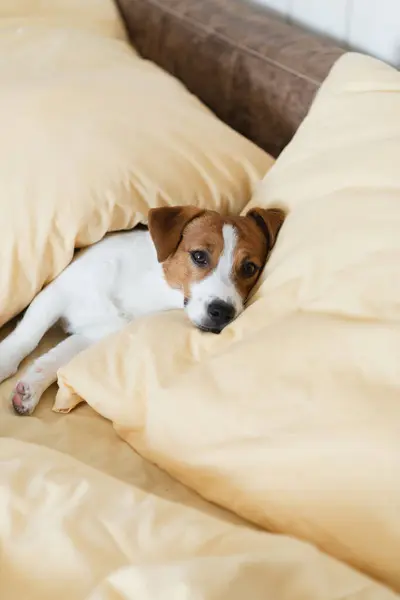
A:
<point x="43" y="372"/>
<point x="43" y="312"/>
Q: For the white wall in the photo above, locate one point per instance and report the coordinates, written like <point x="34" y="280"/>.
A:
<point x="372" y="26"/>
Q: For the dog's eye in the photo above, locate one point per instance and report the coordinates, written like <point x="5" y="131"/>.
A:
<point x="249" y="269"/>
<point x="199" y="257"/>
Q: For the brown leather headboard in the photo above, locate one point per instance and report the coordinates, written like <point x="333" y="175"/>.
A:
<point x="256" y="72"/>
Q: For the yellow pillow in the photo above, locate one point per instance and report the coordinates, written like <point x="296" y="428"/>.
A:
<point x="101" y="16"/>
<point x="291" y="417"/>
<point x="91" y="137"/>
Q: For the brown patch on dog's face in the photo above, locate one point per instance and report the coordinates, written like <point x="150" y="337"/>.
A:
<point x="250" y="255"/>
<point x="201" y="235"/>
<point x="166" y="226"/>
<point x="214" y="261"/>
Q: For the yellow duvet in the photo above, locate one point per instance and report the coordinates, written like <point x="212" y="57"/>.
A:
<point x="261" y="463"/>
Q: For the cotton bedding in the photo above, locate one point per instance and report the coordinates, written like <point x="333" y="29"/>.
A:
<point x="291" y="417"/>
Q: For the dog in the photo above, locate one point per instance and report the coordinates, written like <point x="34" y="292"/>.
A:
<point x="187" y="258"/>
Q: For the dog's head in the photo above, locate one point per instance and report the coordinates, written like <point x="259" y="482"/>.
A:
<point x="215" y="261"/>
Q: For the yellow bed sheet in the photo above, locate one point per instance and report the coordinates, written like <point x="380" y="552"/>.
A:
<point x="83" y="517"/>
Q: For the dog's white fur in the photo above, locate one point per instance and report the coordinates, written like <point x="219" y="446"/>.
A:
<point x="104" y="288"/>
<point x="218" y="284"/>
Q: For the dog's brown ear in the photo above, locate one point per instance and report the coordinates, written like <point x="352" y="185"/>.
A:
<point x="166" y="225"/>
<point x="270" y="221"/>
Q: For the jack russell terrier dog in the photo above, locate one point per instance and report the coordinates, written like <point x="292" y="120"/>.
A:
<point x="188" y="258"/>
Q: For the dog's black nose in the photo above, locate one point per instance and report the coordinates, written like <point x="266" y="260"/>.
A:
<point x="220" y="313"/>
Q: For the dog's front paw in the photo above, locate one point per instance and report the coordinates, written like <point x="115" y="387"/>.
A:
<point x="24" y="398"/>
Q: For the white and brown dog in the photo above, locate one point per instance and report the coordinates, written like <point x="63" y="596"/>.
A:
<point x="188" y="258"/>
